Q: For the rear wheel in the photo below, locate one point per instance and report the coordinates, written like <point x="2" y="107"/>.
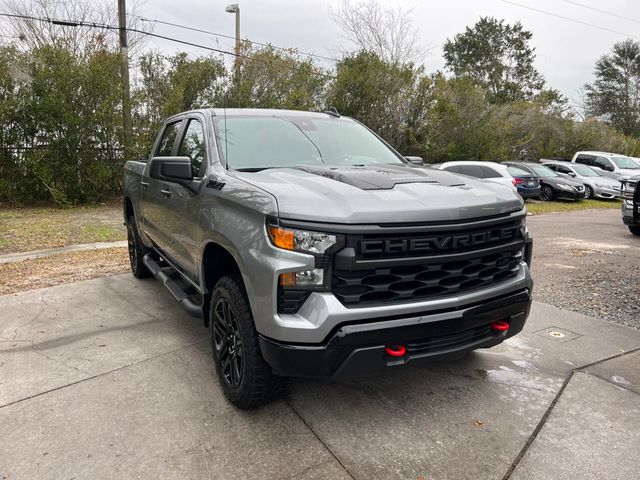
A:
<point x="546" y="194"/>
<point x="588" y="191"/>
<point x="635" y="229"/>
<point x="136" y="250"/>
<point x="246" y="379"/>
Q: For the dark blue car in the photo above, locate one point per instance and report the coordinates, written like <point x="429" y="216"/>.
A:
<point x="528" y="185"/>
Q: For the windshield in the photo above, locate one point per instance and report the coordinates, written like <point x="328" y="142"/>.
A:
<point x="258" y="142"/>
<point x="543" y="171"/>
<point x="585" y="171"/>
<point x="625" y="162"/>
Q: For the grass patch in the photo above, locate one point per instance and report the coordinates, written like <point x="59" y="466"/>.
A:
<point x="536" y="207"/>
<point x="37" y="228"/>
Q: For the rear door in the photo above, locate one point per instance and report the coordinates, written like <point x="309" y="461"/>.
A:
<point x="153" y="199"/>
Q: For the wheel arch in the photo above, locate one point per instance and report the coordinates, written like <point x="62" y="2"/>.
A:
<point x="217" y="262"/>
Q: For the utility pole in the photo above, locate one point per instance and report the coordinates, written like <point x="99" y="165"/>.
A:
<point x="126" y="95"/>
<point x="235" y="8"/>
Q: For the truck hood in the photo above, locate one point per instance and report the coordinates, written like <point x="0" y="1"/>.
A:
<point x="381" y="194"/>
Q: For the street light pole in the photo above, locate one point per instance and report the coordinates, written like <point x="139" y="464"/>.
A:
<point x="126" y="95"/>
<point x="235" y="8"/>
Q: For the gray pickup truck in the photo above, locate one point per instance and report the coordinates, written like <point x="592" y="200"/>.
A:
<point x="310" y="247"/>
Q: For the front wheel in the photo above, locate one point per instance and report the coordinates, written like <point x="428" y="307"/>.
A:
<point x="588" y="192"/>
<point x="635" y="229"/>
<point x="246" y="379"/>
<point x="546" y="194"/>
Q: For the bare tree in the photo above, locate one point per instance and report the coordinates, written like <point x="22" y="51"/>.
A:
<point x="34" y="33"/>
<point x="385" y="31"/>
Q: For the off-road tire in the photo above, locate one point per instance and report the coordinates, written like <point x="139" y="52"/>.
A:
<point x="136" y="250"/>
<point x="546" y="194"/>
<point x="588" y="192"/>
<point x="635" y="229"/>
<point x="235" y="336"/>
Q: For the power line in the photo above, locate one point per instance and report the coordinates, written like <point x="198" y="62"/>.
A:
<point x="72" y="23"/>
<point x="569" y="19"/>
<point x="193" y="29"/>
<point x="605" y="12"/>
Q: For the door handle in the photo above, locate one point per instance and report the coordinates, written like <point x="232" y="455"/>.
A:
<point x="166" y="192"/>
<point x="144" y="184"/>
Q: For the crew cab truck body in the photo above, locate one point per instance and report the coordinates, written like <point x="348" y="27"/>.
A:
<point x="311" y="248"/>
<point x="631" y="204"/>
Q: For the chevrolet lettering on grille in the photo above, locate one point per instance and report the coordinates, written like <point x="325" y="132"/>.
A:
<point x="438" y="243"/>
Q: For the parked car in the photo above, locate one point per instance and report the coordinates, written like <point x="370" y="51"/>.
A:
<point x="596" y="185"/>
<point x="310" y="247"/>
<point x="527" y="184"/>
<point x="631" y="204"/>
<point x="552" y="185"/>
<point x="489" y="171"/>
<point x="614" y="165"/>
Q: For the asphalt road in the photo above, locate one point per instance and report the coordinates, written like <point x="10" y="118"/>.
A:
<point x="108" y="378"/>
<point x="587" y="262"/>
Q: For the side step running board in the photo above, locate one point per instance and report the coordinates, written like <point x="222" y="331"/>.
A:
<point x="174" y="288"/>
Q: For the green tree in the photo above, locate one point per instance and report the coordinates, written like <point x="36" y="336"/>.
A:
<point x="378" y="93"/>
<point x="615" y="93"/>
<point x="497" y="56"/>
<point x="271" y="78"/>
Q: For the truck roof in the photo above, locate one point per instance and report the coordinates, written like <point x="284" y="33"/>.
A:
<point x="257" y="111"/>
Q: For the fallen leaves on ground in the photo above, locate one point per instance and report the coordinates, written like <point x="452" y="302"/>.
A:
<point x="62" y="268"/>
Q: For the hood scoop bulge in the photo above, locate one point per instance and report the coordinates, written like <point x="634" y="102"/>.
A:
<point x="381" y="177"/>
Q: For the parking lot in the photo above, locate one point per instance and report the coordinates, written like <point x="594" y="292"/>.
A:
<point x="108" y="378"/>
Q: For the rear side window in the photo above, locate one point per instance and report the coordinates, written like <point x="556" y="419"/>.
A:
<point x="471" y="170"/>
<point x="193" y="146"/>
<point x="452" y="168"/>
<point x="490" y="172"/>
<point x="603" y="163"/>
<point x="585" y="159"/>
<point x="168" y="138"/>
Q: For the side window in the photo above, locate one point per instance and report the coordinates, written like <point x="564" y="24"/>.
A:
<point x="490" y="172"/>
<point x="452" y="168"/>
<point x="562" y="169"/>
<point x="168" y="138"/>
<point x="193" y="146"/>
<point x="603" y="163"/>
<point x="552" y="166"/>
<point x="471" y="170"/>
<point x="585" y="159"/>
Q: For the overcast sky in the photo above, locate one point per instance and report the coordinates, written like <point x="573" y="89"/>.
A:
<point x="566" y="51"/>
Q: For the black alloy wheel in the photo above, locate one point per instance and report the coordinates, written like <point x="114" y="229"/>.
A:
<point x="546" y="194"/>
<point x="227" y="342"/>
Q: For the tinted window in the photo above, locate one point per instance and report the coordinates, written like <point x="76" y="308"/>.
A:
<point x="602" y="163"/>
<point x="553" y="167"/>
<point x="471" y="170"/>
<point x="585" y="159"/>
<point x="452" y="168"/>
<point x="193" y="146"/>
<point x="490" y="173"/>
<point x="168" y="138"/>
<point x="560" y="168"/>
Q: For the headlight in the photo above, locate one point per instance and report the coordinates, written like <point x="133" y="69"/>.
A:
<point x="304" y="241"/>
<point x="564" y="186"/>
<point x="301" y="240"/>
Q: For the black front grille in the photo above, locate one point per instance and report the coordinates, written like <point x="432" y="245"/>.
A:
<point x="453" y="341"/>
<point x="476" y="258"/>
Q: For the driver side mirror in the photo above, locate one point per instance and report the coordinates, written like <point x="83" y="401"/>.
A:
<point x="171" y="169"/>
<point x="608" y="168"/>
<point x="417" y="161"/>
<point x="571" y="174"/>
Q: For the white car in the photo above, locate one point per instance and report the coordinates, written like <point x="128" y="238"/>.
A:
<point x="612" y="164"/>
<point x="489" y="171"/>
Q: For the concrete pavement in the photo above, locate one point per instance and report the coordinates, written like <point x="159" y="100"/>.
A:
<point x="108" y="377"/>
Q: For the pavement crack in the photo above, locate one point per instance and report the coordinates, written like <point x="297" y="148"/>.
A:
<point x="550" y="408"/>
<point x="306" y="424"/>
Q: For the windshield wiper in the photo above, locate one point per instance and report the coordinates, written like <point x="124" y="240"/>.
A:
<point x="252" y="169"/>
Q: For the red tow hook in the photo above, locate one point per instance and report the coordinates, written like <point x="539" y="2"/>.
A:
<point x="395" y="350"/>
<point x="500" y="326"/>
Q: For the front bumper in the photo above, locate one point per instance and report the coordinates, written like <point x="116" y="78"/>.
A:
<point x="359" y="348"/>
